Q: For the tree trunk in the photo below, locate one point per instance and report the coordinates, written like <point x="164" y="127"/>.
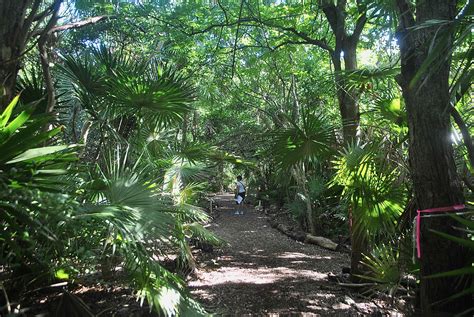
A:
<point x="295" y="109"/>
<point x="300" y="177"/>
<point x="184" y="130"/>
<point x="195" y="126"/>
<point x="346" y="45"/>
<point x="347" y="97"/>
<point x="433" y="170"/>
<point x="13" y="33"/>
<point x="48" y="79"/>
<point x="349" y="110"/>
<point x="359" y="245"/>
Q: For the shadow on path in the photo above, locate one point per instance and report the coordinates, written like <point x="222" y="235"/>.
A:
<point x="264" y="273"/>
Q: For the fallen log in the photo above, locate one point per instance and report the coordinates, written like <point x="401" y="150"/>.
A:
<point x="303" y="237"/>
<point x="321" y="241"/>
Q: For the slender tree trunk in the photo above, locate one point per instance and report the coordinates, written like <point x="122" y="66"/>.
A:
<point x="195" y="126"/>
<point x="295" y="110"/>
<point x="349" y="109"/>
<point x="184" y="131"/>
<point x="348" y="98"/>
<point x="300" y="176"/>
<point x="48" y="79"/>
<point x="436" y="183"/>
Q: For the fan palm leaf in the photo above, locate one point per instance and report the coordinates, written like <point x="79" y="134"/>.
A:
<point x="308" y="142"/>
<point x="460" y="28"/>
<point x="106" y="82"/>
<point x="141" y="218"/>
<point x="371" y="188"/>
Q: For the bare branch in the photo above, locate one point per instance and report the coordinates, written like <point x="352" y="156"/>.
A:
<point x="308" y="39"/>
<point x="32" y="16"/>
<point x="287" y="43"/>
<point x="74" y="25"/>
<point x="79" y="24"/>
<point x="223" y="10"/>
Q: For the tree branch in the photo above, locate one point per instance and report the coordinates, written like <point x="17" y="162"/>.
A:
<point x="360" y="23"/>
<point x="223" y="10"/>
<point x="321" y="43"/>
<point x="32" y="16"/>
<point x="309" y="40"/>
<point x="287" y="43"/>
<point x="74" y="25"/>
<point x="43" y="52"/>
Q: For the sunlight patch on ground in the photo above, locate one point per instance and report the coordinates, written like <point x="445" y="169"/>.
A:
<point x="203" y="294"/>
<point x="255" y="255"/>
<point x="325" y="295"/>
<point x="259" y="275"/>
<point x="298" y="255"/>
<point x="298" y="262"/>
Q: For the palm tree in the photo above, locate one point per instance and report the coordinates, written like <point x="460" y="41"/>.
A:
<point x="298" y="146"/>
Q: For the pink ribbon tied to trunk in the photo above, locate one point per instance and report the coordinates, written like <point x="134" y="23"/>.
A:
<point x="418" y="221"/>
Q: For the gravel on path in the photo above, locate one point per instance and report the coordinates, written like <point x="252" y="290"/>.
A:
<point x="262" y="272"/>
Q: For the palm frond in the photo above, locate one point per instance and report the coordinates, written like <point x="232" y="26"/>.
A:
<point x="82" y="80"/>
<point x="442" y="46"/>
<point x="196" y="230"/>
<point x="372" y="189"/>
<point x="309" y="142"/>
<point x="383" y="268"/>
<point x="369" y="77"/>
<point x="180" y="173"/>
<point x="107" y="82"/>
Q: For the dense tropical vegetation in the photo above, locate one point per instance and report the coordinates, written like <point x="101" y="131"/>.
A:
<point x="119" y="117"/>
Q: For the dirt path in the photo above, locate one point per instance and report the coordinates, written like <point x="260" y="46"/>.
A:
<point x="265" y="273"/>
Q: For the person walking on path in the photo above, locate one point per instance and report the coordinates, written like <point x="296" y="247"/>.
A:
<point x="239" y="195"/>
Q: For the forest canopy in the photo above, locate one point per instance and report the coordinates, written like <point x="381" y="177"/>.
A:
<point x="119" y="119"/>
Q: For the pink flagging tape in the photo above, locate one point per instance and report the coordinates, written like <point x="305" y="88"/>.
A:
<point x="418" y="221"/>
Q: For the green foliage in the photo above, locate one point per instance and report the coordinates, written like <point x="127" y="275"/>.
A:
<point x="309" y="142"/>
<point x="297" y="209"/>
<point x="384" y="268"/>
<point x="34" y="209"/>
<point x="111" y="84"/>
<point x="197" y="104"/>
<point x="372" y="189"/>
<point x="118" y="210"/>
<point x="466" y="273"/>
<point x="138" y="222"/>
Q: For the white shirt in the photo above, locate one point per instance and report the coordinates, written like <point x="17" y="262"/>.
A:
<point x="240" y="186"/>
